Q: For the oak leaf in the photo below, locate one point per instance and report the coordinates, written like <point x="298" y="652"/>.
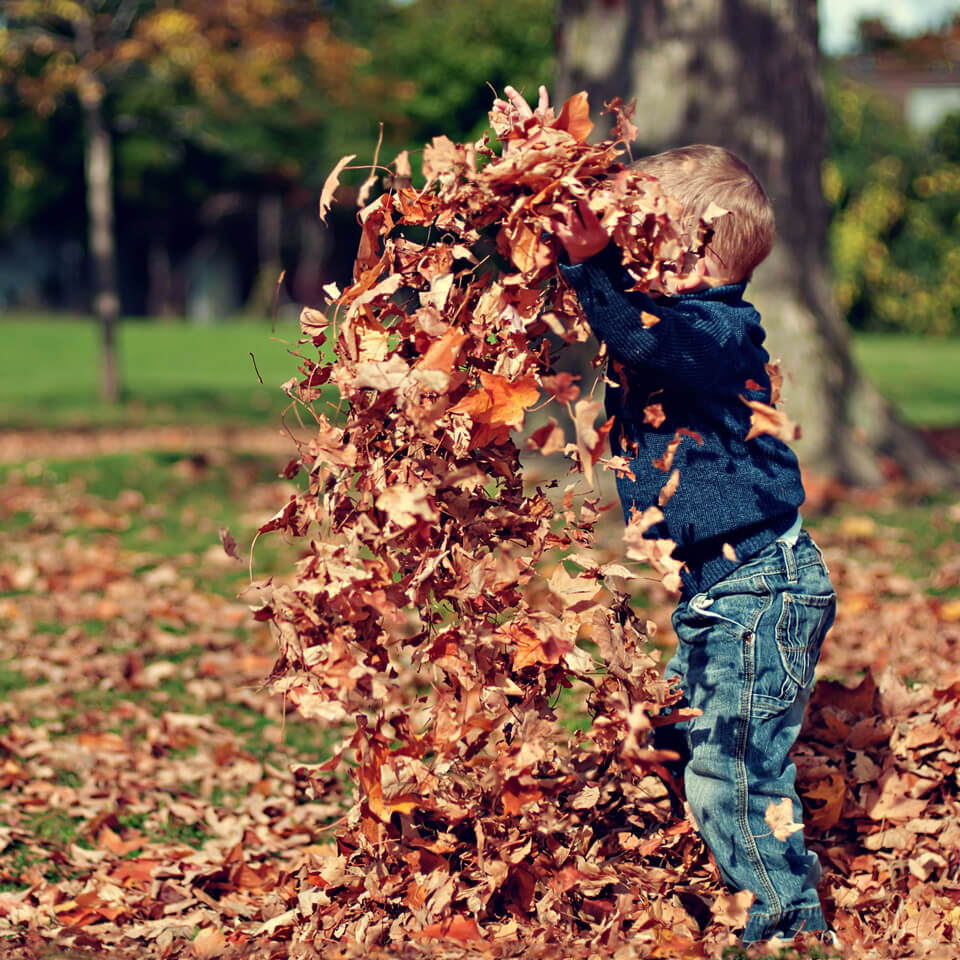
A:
<point x="832" y="792"/>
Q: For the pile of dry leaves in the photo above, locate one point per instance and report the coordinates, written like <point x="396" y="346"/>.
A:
<point x="136" y="823"/>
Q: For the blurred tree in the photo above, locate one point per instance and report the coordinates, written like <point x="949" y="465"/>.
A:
<point x="448" y="87"/>
<point x="746" y="75"/>
<point x="209" y="61"/>
<point x="895" y="215"/>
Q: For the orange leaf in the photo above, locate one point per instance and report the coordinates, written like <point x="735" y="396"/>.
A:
<point x="832" y="792"/>
<point x="669" y="488"/>
<point x="533" y="649"/>
<point x="522" y="243"/>
<point x="500" y="403"/>
<point x="442" y="353"/>
<point x="515" y="797"/>
<point x="767" y="419"/>
<point x="453" y="928"/>
<point x="209" y="943"/>
<point x="107" y="742"/>
<point x="116" y="844"/>
<point x="575" y="117"/>
<point x="134" y="873"/>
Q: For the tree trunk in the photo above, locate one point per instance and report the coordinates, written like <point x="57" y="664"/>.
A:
<point x="745" y="74"/>
<point x="269" y="238"/>
<point x="159" y="278"/>
<point x="103" y="252"/>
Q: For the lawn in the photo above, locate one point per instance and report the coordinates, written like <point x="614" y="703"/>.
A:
<point x="173" y="371"/>
<point x="170" y="372"/>
<point x="918" y="374"/>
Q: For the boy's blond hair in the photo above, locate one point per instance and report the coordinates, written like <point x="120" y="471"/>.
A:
<point x="701" y="174"/>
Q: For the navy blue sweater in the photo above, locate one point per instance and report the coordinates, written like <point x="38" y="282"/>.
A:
<point x="703" y="356"/>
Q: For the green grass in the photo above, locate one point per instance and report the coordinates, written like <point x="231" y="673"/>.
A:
<point x="921" y="375"/>
<point x="170" y="372"/>
<point x="185" y="500"/>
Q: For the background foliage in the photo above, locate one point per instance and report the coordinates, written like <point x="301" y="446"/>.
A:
<point x="895" y="226"/>
<point x="204" y="129"/>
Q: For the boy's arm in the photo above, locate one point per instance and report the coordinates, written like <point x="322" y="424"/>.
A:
<point x="692" y="348"/>
<point x="696" y="346"/>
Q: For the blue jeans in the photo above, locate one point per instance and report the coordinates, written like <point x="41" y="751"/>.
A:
<point x="746" y="655"/>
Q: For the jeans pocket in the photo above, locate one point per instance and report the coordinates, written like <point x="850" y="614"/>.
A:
<point x="803" y="623"/>
<point x="734" y="611"/>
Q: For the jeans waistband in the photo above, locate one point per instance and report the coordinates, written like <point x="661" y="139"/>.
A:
<point x="780" y="558"/>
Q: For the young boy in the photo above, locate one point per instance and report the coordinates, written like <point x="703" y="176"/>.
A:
<point x="757" y="599"/>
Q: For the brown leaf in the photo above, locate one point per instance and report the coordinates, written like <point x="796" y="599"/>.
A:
<point x="229" y="544"/>
<point x="669" y="488"/>
<point x="590" y="440"/>
<point x="832" y="792"/>
<point x="562" y="387"/>
<point x="732" y="909"/>
<point x="459" y="928"/>
<point x="209" y="943"/>
<point x="547" y="439"/>
<point x="331" y="183"/>
<point x="767" y="419"/>
<point x="574" y="117"/>
<point x="653" y="414"/>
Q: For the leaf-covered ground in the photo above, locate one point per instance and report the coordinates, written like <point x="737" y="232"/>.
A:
<point x="148" y="804"/>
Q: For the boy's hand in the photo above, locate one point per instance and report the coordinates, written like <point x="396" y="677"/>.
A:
<point x="580" y="231"/>
<point x="509" y="117"/>
<point x="693" y="280"/>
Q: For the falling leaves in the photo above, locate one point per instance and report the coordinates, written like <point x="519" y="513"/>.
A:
<point x="779" y="818"/>
<point x="331" y="183"/>
<point x="765" y="418"/>
<point x="429" y="551"/>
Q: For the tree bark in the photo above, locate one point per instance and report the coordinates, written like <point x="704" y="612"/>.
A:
<point x="102" y="242"/>
<point x="745" y="74"/>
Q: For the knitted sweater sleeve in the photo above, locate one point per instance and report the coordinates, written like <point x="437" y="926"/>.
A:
<point x="697" y="339"/>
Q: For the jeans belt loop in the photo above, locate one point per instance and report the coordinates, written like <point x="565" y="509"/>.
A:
<point x="789" y="561"/>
